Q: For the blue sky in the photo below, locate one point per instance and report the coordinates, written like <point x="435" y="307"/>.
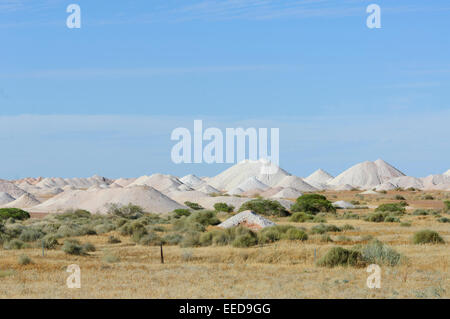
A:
<point x="105" y="98"/>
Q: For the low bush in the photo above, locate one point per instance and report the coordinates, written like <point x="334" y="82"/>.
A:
<point x="300" y="217"/>
<point x="30" y="235"/>
<point x="245" y="240"/>
<point x="14" y="213"/>
<point x="265" y="207"/>
<point x="223" y="207"/>
<point x="73" y="247"/>
<point x="443" y="220"/>
<point x="150" y="239"/>
<point x="324" y="228"/>
<point x="113" y="240"/>
<point x="338" y="256"/>
<point x="25" y="260"/>
<point x="88" y="247"/>
<point x="129" y="211"/>
<point x="428" y="197"/>
<point x="347" y="227"/>
<point x="447" y="206"/>
<point x="391" y="207"/>
<point x="50" y="241"/>
<point x="172" y="239"/>
<point x="325" y="238"/>
<point x="399" y="197"/>
<point x="191" y="239"/>
<point x="313" y="204"/>
<point x="193" y="206"/>
<point x="296" y="234"/>
<point x="421" y="212"/>
<point x="110" y="258"/>
<point x="180" y="212"/>
<point x="14" y="244"/>
<point x="376" y="252"/>
<point x="391" y="219"/>
<point x="427" y="236"/>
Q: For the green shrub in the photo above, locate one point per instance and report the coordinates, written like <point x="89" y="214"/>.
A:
<point x="73" y="247"/>
<point x="113" y="240"/>
<point x="349" y="215"/>
<point x="204" y="217"/>
<point x="344" y="239"/>
<point x="300" y="217"/>
<point x="184" y="225"/>
<point x="376" y="217"/>
<point x="223" y="207"/>
<point x="325" y="238"/>
<point x="14" y="244"/>
<point x="265" y="207"/>
<point x="296" y="234"/>
<point x="313" y="204"/>
<point x="15" y="213"/>
<point x="421" y="212"/>
<point x="347" y="227"/>
<point x="150" y="239"/>
<point x="269" y="235"/>
<point x="88" y="247"/>
<point x="50" y="241"/>
<point x="338" y="256"/>
<point x="323" y="228"/>
<point x="73" y="214"/>
<point x="391" y="219"/>
<point x="443" y="220"/>
<point x="428" y="197"/>
<point x="447" y="206"/>
<point x="180" y="212"/>
<point x="172" y="239"/>
<point x="110" y="258"/>
<point x="104" y="228"/>
<point x="427" y="236"/>
<point x="391" y="207"/>
<point x="193" y="206"/>
<point x="405" y="224"/>
<point x="30" y="235"/>
<point x="376" y="252"/>
<point x="245" y="240"/>
<point x="206" y="239"/>
<point x="191" y="239"/>
<point x="25" y="260"/>
<point x="129" y="211"/>
<point x="399" y="197"/>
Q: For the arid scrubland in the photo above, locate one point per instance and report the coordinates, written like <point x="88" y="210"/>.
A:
<point x="126" y="268"/>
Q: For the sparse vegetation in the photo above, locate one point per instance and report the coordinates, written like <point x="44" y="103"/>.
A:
<point x="223" y="207"/>
<point x="194" y="206"/>
<point x="265" y="207"/>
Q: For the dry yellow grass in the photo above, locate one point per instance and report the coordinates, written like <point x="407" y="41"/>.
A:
<point x="281" y="270"/>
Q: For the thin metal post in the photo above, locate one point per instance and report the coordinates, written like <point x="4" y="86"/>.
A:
<point x="162" y="254"/>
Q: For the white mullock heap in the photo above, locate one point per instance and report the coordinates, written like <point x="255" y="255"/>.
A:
<point x="247" y="217"/>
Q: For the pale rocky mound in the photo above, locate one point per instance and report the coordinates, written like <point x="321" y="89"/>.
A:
<point x="184" y="188"/>
<point x="11" y="189"/>
<point x="24" y="201"/>
<point x="253" y="192"/>
<point x="436" y="182"/>
<point x="5" y="198"/>
<point x="343" y="204"/>
<point x="124" y="181"/>
<point x="147" y="197"/>
<point x="367" y="175"/>
<point x="248" y="219"/>
<point x="267" y="173"/>
<point x="208" y="189"/>
<point x="404" y="182"/>
<point x="192" y="180"/>
<point x="115" y="185"/>
<point x="271" y="191"/>
<point x="298" y="183"/>
<point x="252" y="183"/>
<point x="447" y="173"/>
<point x="369" y="192"/>
<point x="288" y="192"/>
<point x="235" y="191"/>
<point x="319" y="179"/>
<point x="345" y="187"/>
<point x="81" y="183"/>
<point x="160" y="182"/>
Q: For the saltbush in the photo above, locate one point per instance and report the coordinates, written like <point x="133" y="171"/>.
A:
<point x="338" y="256"/>
<point x="194" y="206"/>
<point x="223" y="207"/>
<point x="427" y="236"/>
